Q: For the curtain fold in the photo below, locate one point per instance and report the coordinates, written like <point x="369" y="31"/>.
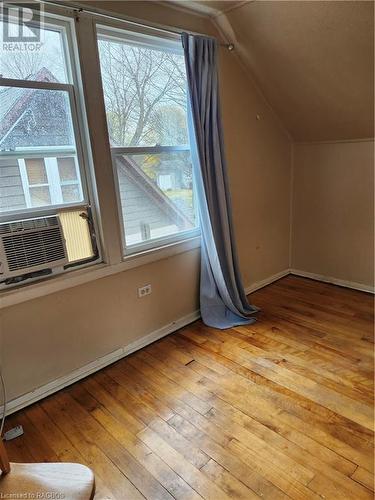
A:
<point x="222" y="298"/>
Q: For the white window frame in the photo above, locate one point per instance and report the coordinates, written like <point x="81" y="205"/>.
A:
<point x="145" y="37"/>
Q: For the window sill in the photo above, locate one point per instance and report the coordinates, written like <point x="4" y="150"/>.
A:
<point x="78" y="277"/>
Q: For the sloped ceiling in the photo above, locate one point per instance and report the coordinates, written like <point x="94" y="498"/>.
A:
<point x="313" y="61"/>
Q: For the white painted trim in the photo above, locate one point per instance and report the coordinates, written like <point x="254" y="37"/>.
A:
<point x="267" y="281"/>
<point x="92" y="367"/>
<point x="334" y="281"/>
<point x="92" y="272"/>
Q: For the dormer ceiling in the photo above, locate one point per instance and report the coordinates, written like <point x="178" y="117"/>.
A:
<point x="313" y="61"/>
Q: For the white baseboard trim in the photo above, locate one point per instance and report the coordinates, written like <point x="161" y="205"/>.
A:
<point x="260" y="284"/>
<point x="333" y="281"/>
<point x="61" y="382"/>
<point x="66" y="380"/>
<point x="92" y="367"/>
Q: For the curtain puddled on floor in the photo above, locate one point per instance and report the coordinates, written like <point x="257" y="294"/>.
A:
<point x="223" y="301"/>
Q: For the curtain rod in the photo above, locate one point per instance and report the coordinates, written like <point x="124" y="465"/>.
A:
<point x="78" y="7"/>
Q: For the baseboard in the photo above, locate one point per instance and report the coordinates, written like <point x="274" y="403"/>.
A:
<point x="61" y="382"/>
<point x="260" y="284"/>
<point x="333" y="281"/>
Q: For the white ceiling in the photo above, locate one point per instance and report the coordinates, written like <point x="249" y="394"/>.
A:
<point x="313" y="60"/>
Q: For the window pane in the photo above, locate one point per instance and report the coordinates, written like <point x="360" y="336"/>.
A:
<point x="67" y="169"/>
<point x="41" y="61"/>
<point x="36" y="171"/>
<point x="70" y="193"/>
<point x="145" y="94"/>
<point x="156" y="193"/>
<point x="40" y="196"/>
<point x="35" y="118"/>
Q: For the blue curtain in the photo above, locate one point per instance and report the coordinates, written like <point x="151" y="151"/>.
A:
<point x="223" y="301"/>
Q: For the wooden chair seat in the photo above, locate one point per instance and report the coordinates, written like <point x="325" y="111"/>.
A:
<point x="67" y="481"/>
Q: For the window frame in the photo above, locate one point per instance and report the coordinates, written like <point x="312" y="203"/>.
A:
<point x="124" y="31"/>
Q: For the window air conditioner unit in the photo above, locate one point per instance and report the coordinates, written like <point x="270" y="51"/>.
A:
<point x="30" y="246"/>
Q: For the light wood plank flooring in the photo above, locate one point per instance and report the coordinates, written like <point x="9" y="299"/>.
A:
<point x="278" y="409"/>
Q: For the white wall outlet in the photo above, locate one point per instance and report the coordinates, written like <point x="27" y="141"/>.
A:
<point x="144" y="290"/>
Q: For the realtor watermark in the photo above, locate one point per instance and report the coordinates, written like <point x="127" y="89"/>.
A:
<point x="22" y="26"/>
<point x="41" y="495"/>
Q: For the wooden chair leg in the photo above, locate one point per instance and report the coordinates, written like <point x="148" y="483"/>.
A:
<point x="4" y="461"/>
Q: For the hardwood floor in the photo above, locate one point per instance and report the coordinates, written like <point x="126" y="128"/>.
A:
<point x="281" y="408"/>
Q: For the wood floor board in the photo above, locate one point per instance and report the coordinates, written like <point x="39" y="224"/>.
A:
<point x="282" y="408"/>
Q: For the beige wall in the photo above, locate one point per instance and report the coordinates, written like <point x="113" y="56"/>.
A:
<point x="50" y="336"/>
<point x="333" y="204"/>
<point x="259" y="160"/>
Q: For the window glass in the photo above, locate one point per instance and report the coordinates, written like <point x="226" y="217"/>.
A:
<point x="145" y="94"/>
<point x="35" y="118"/>
<point x="70" y="193"/>
<point x="38" y="141"/>
<point x="44" y="61"/>
<point x="144" y="84"/>
<point x="36" y="171"/>
<point x="67" y="169"/>
<point x="40" y="196"/>
<point x="156" y="193"/>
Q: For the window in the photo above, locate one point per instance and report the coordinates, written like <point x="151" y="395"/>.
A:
<point x="41" y="164"/>
<point x="144" y="86"/>
<point x="42" y="168"/>
<point x="50" y="181"/>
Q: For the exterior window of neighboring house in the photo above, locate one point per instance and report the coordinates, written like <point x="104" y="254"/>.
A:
<point x="42" y="158"/>
<point x="50" y="181"/>
<point x="144" y="84"/>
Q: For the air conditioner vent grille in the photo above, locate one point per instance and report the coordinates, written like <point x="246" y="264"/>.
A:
<point x="32" y="245"/>
<point x="27" y="225"/>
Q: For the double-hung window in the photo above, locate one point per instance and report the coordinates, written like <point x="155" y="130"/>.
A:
<point x="144" y="84"/>
<point x="42" y="160"/>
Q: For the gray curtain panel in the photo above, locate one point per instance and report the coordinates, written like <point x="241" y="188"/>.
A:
<point x="223" y="301"/>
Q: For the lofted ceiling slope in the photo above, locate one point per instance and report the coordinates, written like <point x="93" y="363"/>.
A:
<point x="313" y="60"/>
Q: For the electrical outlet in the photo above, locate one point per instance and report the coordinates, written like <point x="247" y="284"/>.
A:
<point x="144" y="290"/>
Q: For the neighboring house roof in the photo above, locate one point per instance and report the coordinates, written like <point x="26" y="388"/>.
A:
<point x="131" y="169"/>
<point x="16" y="102"/>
